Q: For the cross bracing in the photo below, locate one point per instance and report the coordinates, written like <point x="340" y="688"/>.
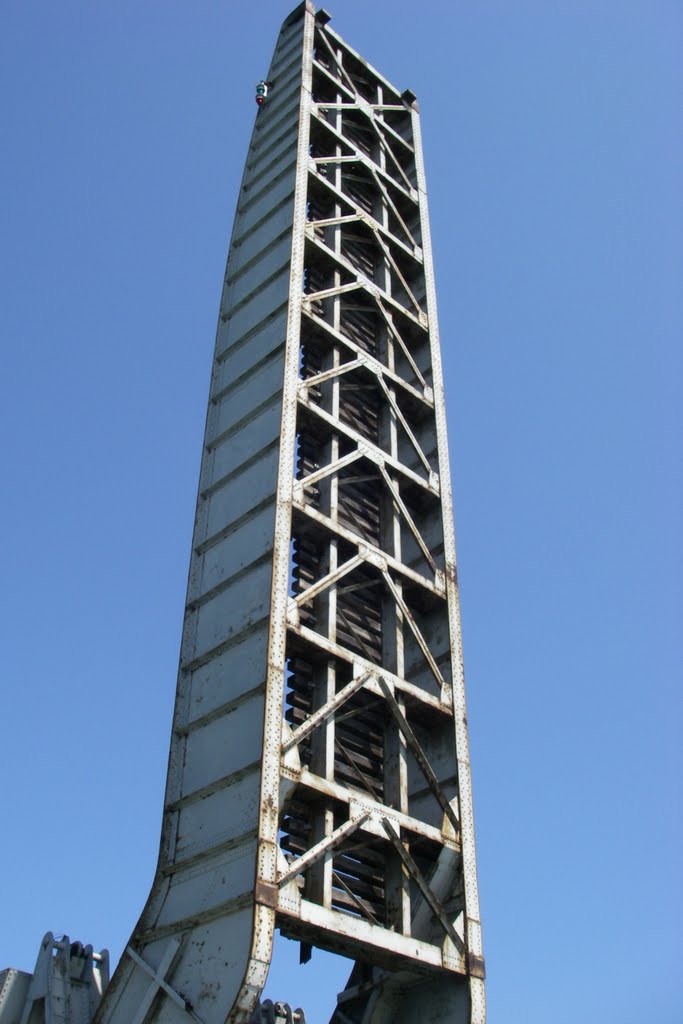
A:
<point x="319" y="774"/>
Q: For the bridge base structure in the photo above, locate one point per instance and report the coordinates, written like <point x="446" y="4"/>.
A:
<point x="65" y="988"/>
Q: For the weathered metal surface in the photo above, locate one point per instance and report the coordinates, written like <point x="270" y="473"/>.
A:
<point x="319" y="771"/>
<point x="13" y="991"/>
<point x="202" y="946"/>
<point x="65" y="988"/>
<point x="269" y="1012"/>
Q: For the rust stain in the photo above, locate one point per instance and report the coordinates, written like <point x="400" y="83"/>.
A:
<point x="452" y="573"/>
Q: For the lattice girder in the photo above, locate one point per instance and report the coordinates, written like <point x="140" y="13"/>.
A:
<point x="319" y="771"/>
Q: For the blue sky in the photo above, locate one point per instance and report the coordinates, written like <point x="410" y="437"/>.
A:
<point x="553" y="154"/>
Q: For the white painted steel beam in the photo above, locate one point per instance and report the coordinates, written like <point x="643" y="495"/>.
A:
<point x="319" y="776"/>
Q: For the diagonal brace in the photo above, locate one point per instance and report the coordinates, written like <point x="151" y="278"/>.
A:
<point x="320" y="849"/>
<point x="325" y="711"/>
<point x="408" y="518"/>
<point x="391" y="203"/>
<point x="395" y="334"/>
<point x="419" y="755"/>
<point x="406" y="426"/>
<point x="328" y="293"/>
<point x="343" y="74"/>
<point x="384" y="145"/>
<point x="158" y="981"/>
<point x="334" y="371"/>
<point x="356" y="899"/>
<point x="429" y="657"/>
<point x="327" y="581"/>
<point x="413" y="870"/>
<point x="378" y="123"/>
<point x="397" y="270"/>
<point x="328" y="222"/>
<point x="331" y="467"/>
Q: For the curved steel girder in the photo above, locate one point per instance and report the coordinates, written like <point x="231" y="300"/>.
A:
<point x="202" y="947"/>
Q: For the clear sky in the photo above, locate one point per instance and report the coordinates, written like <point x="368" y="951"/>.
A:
<point x="553" y="153"/>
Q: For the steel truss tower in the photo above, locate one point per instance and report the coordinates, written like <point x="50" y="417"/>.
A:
<point x="319" y="777"/>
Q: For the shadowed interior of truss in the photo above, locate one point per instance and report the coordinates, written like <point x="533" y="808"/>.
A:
<point x="369" y="652"/>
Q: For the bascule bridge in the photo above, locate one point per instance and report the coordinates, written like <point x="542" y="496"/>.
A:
<point x="319" y="776"/>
